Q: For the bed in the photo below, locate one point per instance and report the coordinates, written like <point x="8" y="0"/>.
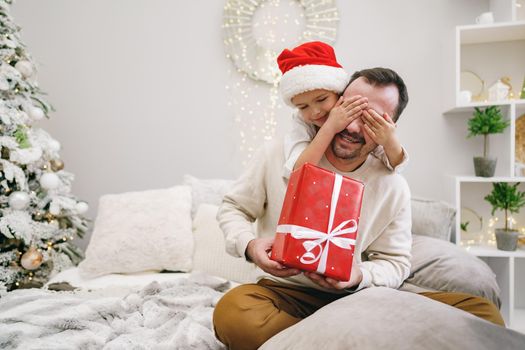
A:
<point x="124" y="295"/>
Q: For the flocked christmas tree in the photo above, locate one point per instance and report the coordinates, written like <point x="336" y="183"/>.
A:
<point x="39" y="217"/>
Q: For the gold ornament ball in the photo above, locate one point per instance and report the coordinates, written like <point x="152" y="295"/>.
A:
<point x="49" y="216"/>
<point x="56" y="164"/>
<point x="32" y="259"/>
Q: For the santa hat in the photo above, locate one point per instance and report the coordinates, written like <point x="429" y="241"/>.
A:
<point x="310" y="66"/>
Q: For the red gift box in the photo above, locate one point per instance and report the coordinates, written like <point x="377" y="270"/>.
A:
<point x="317" y="228"/>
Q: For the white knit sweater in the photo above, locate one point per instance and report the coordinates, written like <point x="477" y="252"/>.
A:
<point x="384" y="232"/>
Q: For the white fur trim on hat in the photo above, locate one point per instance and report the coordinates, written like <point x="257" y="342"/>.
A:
<point x="311" y="77"/>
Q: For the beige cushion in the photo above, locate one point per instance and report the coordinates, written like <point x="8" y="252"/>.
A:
<point x="141" y="231"/>
<point x="210" y="254"/>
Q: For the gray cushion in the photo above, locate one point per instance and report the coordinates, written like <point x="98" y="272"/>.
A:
<point x="383" y="318"/>
<point x="442" y="266"/>
<point x="432" y="218"/>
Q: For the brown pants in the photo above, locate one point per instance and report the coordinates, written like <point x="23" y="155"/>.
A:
<point x="250" y="314"/>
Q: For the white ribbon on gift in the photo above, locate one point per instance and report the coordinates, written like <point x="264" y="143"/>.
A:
<point x="319" y="237"/>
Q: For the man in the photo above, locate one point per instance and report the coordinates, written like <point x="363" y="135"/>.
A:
<point x="250" y="314"/>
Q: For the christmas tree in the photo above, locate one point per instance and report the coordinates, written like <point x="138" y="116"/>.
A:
<point x="39" y="217"/>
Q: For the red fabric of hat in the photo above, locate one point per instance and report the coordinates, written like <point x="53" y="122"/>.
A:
<point x="315" y="52"/>
<point x="310" y="66"/>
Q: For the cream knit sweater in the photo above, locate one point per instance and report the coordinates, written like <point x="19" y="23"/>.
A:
<point x="384" y="233"/>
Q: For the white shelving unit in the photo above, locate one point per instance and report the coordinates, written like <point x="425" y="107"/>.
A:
<point x="492" y="51"/>
<point x="509" y="267"/>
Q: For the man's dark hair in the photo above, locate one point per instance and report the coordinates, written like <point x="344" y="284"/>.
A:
<point x="382" y="77"/>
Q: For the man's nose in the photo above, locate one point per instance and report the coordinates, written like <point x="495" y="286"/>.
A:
<point x="355" y="126"/>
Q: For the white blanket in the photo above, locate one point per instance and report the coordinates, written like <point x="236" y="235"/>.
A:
<point x="170" y="315"/>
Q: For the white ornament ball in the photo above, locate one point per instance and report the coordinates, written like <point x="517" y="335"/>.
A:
<point x="49" y="181"/>
<point x="54" y="208"/>
<point x="36" y="113"/>
<point x="82" y="207"/>
<point x="54" y="145"/>
<point x="19" y="200"/>
<point x="25" y="68"/>
<point x="32" y="259"/>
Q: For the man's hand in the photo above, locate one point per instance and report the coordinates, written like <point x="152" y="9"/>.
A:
<point x="344" y="112"/>
<point x="355" y="278"/>
<point x="381" y="129"/>
<point x="258" y="250"/>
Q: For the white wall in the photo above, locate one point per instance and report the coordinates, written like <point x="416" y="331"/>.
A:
<point x="140" y="98"/>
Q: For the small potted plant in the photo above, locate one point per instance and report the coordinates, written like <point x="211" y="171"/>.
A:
<point x="506" y="197"/>
<point x="486" y="122"/>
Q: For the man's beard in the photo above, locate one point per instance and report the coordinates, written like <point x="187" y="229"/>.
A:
<point x="349" y="154"/>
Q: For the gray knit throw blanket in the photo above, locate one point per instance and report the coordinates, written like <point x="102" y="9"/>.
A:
<point x="170" y="315"/>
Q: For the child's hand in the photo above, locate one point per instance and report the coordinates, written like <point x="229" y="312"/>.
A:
<point x="344" y="112"/>
<point x="381" y="129"/>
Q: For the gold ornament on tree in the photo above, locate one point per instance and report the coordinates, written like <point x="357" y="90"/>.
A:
<point x="49" y="217"/>
<point x="56" y="164"/>
<point x="32" y="259"/>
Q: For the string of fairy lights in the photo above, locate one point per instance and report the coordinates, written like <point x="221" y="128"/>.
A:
<point x="255" y="32"/>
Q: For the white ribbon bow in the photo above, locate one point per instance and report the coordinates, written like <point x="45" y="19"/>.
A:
<point x="319" y="237"/>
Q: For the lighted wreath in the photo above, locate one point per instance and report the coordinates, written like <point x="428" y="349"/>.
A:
<point x="243" y="25"/>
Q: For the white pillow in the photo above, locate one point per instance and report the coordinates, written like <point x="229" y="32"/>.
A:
<point x="210" y="191"/>
<point x="140" y="231"/>
<point x="210" y="254"/>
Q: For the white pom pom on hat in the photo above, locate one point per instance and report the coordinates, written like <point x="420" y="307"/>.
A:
<point x="308" y="67"/>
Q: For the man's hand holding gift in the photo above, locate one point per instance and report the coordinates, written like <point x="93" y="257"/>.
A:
<point x="326" y="282"/>
<point x="258" y="250"/>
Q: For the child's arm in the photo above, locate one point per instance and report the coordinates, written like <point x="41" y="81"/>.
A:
<point x="382" y="130"/>
<point x="314" y="151"/>
<point x="342" y="114"/>
<point x="295" y="142"/>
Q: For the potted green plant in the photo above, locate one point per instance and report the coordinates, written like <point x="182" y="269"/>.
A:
<point x="506" y="197"/>
<point x="486" y="122"/>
